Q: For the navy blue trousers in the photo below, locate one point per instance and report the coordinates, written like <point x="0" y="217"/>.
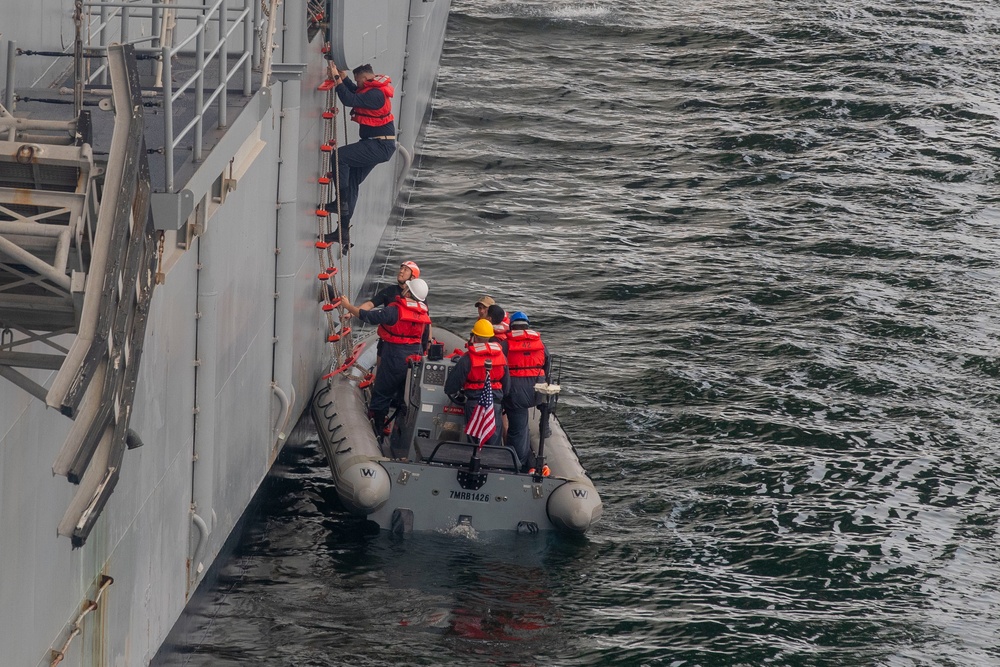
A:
<point x="520" y="399"/>
<point x="391" y="377"/>
<point x="518" y="437"/>
<point x="357" y="161"/>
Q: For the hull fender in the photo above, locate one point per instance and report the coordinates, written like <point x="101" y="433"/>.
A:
<point x="574" y="506"/>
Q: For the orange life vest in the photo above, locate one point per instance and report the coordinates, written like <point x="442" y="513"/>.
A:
<point x="478" y="354"/>
<point x="502" y="330"/>
<point x="409" y="328"/>
<point x="382" y="115"/>
<point x="525" y="354"/>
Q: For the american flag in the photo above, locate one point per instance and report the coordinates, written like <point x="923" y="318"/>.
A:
<point x="483" y="423"/>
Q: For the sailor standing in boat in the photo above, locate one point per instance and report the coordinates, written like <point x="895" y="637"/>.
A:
<point x="407" y="271"/>
<point x="388" y="294"/>
<point x="403" y="327"/>
<point x="465" y="383"/>
<point x="501" y="322"/>
<point x="370" y="100"/>
<point x="528" y="363"/>
<point x="483" y="306"/>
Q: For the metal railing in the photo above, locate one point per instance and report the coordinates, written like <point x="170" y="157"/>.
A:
<point x="46" y="212"/>
<point x="208" y="49"/>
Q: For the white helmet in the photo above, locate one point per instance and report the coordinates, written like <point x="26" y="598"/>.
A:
<point x="418" y="288"/>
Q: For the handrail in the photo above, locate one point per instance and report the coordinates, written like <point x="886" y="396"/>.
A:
<point x="143" y="5"/>
<point x="209" y="49"/>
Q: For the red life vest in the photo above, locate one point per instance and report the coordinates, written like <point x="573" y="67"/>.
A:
<point x="382" y="115"/>
<point x="502" y="330"/>
<point x="478" y="354"/>
<point x="525" y="354"/>
<point x="409" y="328"/>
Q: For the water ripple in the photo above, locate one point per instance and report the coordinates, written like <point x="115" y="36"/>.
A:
<point x="762" y="239"/>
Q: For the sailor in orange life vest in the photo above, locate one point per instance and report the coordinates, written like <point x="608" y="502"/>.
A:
<point x="465" y="383"/>
<point x="483" y="306"/>
<point x="403" y="327"/>
<point x="370" y="100"/>
<point x="528" y="363"/>
<point x="386" y="295"/>
<point x="500" y="321"/>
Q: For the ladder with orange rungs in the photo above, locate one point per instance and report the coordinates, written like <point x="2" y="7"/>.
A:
<point x="334" y="280"/>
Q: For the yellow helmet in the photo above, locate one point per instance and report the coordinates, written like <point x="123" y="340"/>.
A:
<point x="483" y="328"/>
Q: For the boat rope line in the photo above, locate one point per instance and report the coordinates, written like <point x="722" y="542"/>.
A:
<point x="416" y="168"/>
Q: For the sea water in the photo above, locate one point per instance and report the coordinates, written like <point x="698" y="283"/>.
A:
<point x="762" y="237"/>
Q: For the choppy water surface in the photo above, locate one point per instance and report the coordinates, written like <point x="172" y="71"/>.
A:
<point x="763" y="237"/>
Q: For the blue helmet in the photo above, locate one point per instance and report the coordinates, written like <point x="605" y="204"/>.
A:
<point x="518" y="315"/>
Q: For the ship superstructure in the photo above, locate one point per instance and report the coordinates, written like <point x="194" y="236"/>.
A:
<point x="160" y="326"/>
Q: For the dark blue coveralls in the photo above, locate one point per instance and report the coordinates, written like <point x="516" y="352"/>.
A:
<point x="391" y="377"/>
<point x="387" y="295"/>
<point x="384" y="297"/>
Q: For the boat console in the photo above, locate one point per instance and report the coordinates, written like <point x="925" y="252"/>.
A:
<point x="435" y="425"/>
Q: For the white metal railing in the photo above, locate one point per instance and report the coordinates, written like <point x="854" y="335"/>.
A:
<point x="235" y="28"/>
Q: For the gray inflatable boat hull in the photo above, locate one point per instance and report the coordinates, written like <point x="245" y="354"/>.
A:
<point x="423" y="482"/>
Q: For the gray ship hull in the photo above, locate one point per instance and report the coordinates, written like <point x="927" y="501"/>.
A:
<point x="223" y="346"/>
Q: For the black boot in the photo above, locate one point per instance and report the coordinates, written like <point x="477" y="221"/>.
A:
<point x="334" y="237"/>
<point x="326" y="292"/>
<point x="378" y="423"/>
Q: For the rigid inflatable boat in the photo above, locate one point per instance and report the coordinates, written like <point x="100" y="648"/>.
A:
<point x="427" y="475"/>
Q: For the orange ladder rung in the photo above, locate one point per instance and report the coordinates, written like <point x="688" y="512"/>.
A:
<point x="348" y="363"/>
<point x="333" y="338"/>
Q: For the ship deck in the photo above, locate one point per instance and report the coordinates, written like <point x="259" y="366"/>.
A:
<point x="56" y="103"/>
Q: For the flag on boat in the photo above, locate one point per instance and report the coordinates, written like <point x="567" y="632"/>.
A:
<point x="482" y="423"/>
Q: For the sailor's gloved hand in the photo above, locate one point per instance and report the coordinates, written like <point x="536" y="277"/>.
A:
<point x="458" y="399"/>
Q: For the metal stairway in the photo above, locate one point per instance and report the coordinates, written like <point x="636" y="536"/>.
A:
<point x="77" y="260"/>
